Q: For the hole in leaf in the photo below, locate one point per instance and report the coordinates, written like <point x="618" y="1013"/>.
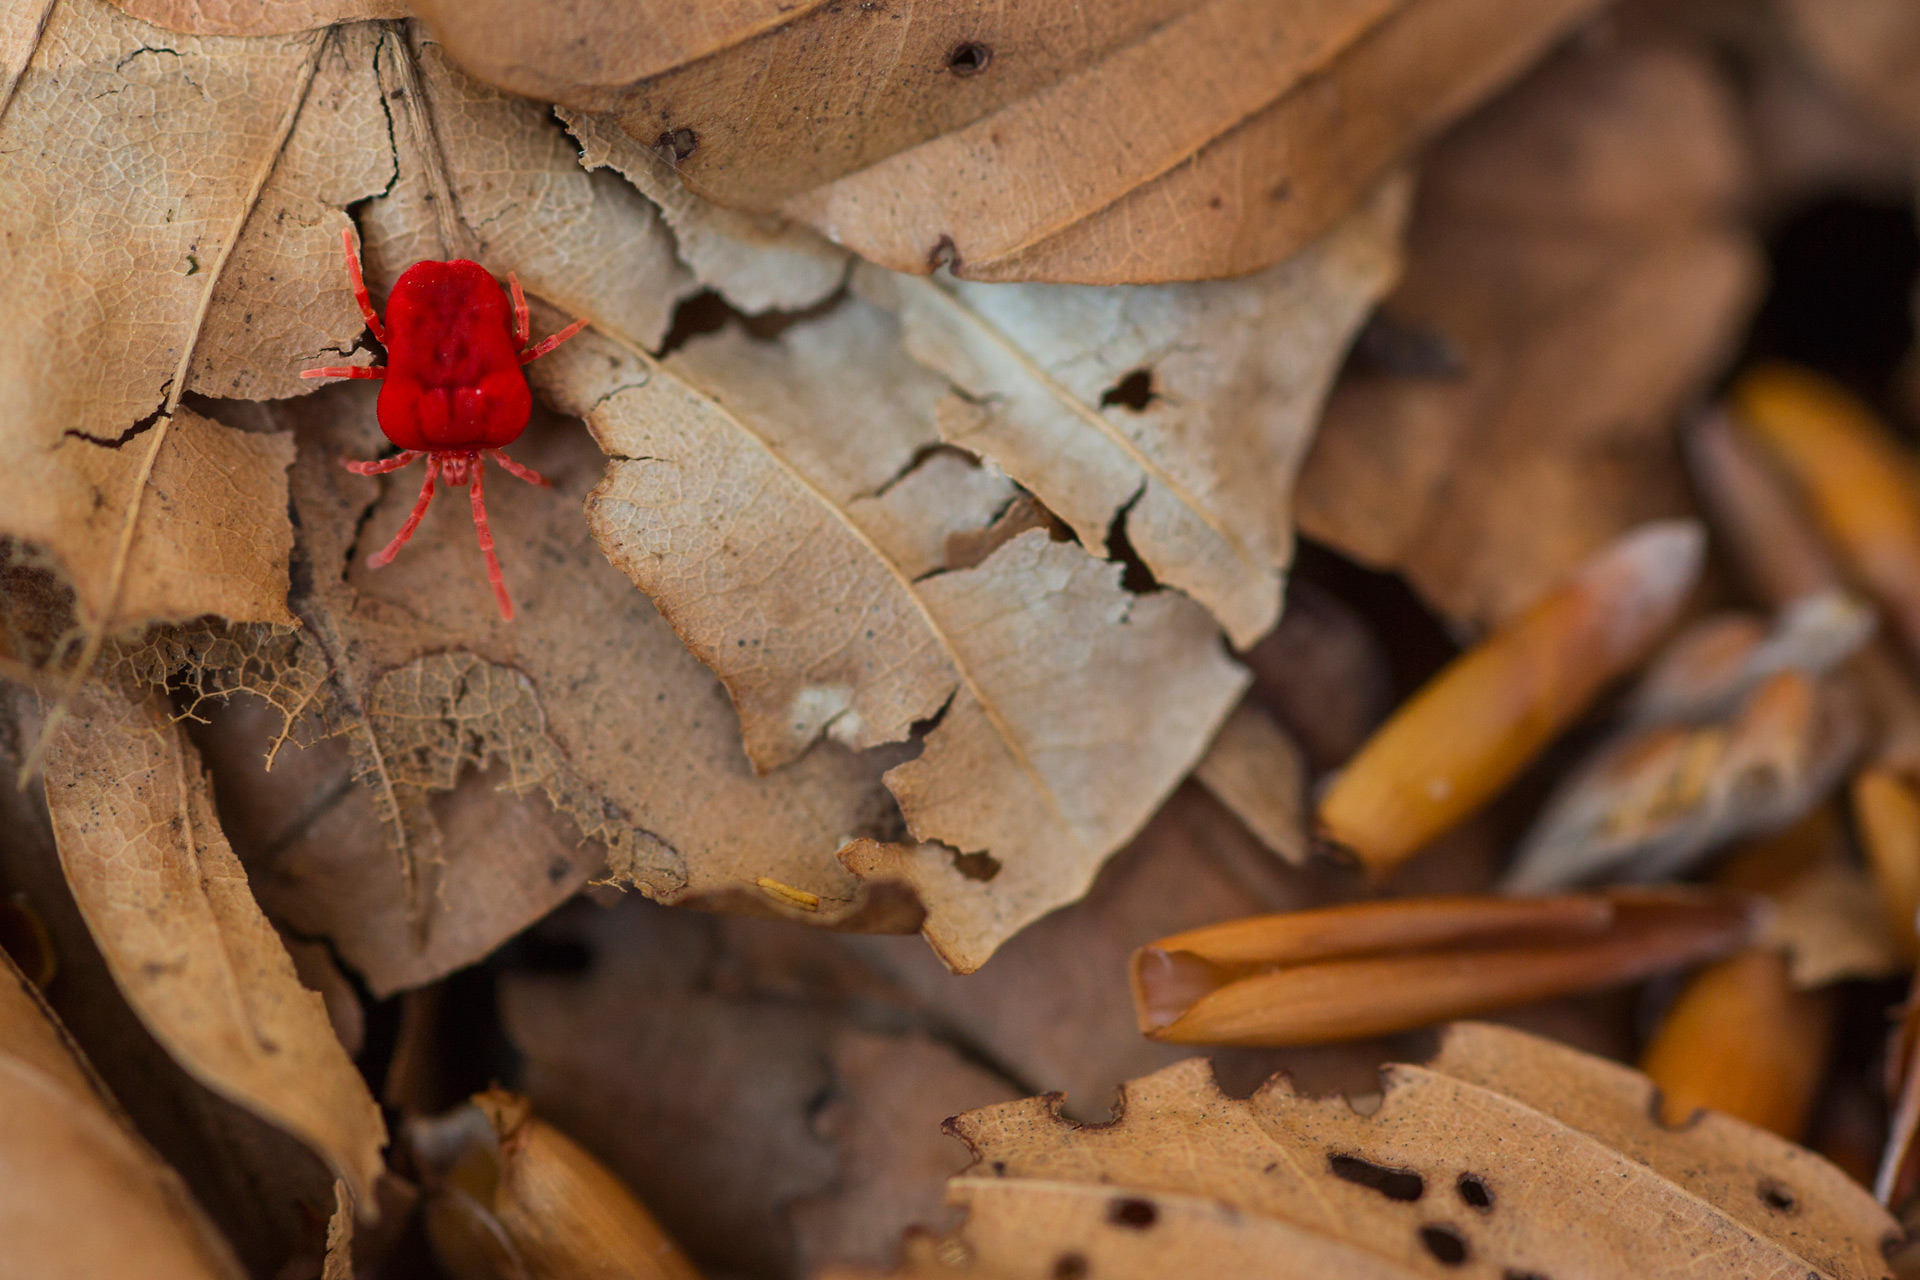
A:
<point x="969" y="59"/>
<point x="1070" y="1266"/>
<point x="1445" y="1244"/>
<point x="1135" y="392"/>
<point x="679" y="141"/>
<point x="1473" y="1189"/>
<point x="1777" y="1197"/>
<point x="1394" y="1184"/>
<point x="1133" y="1212"/>
<point x="977" y="866"/>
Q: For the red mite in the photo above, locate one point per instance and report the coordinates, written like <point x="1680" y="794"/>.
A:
<point x="452" y="391"/>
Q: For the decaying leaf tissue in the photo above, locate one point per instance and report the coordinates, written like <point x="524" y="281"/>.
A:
<point x="1265" y="638"/>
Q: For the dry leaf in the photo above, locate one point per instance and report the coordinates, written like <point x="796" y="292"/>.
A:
<point x="400" y="661"/>
<point x="891" y="1095"/>
<point x="1054" y="744"/>
<point x="69" y="1146"/>
<point x="757" y="263"/>
<point x="1176" y="414"/>
<point x="712" y="1064"/>
<point x="167" y="903"/>
<point x="443" y="708"/>
<point x="1871" y="48"/>
<point x="1505" y="1154"/>
<point x="255" y="17"/>
<point x="1181" y="141"/>
<point x="1047" y="1007"/>
<point x="262" y="1187"/>
<point x="189" y="274"/>
<point x="1575" y="245"/>
<point x="482" y="175"/>
<point x="1259" y="773"/>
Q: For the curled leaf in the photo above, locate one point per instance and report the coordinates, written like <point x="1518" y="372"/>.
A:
<point x="169" y="907"/>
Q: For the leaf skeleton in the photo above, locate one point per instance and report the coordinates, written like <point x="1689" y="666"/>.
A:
<point x="451" y="391"/>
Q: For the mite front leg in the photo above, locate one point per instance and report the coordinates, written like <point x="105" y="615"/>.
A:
<point x="346" y="371"/>
<point x="381" y="466"/>
<point x="360" y="287"/>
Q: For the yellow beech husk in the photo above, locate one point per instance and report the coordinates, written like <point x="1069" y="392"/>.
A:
<point x="1741" y="1039"/>
<point x="1364" y="969"/>
<point x="512" y="1198"/>
<point x="1477" y="724"/>
<point x="1886" y="813"/>
<point x="1856" y="478"/>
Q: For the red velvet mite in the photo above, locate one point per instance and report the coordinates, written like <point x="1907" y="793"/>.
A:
<point x="451" y="390"/>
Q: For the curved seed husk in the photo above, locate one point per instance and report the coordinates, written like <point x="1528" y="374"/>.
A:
<point x="1856" y="477"/>
<point x="1743" y="1040"/>
<point x="513" y="1198"/>
<point x="1886" y="814"/>
<point x="1378" y="968"/>
<point x="1477" y="724"/>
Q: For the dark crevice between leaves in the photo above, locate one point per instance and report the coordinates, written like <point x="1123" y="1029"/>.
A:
<point x="1135" y="577"/>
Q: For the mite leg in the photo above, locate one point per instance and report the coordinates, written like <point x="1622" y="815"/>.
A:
<point x="522" y="322"/>
<point x="360" y="286"/>
<point x="347" y="371"/>
<point x="551" y="341"/>
<point x="386" y="554"/>
<point x="525" y="473"/>
<point x="486" y="544"/>
<point x="404" y="458"/>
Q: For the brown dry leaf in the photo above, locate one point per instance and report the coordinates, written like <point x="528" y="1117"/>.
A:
<point x="262" y="1187"/>
<point x="1505" y="1154"/>
<point x="256" y="17"/>
<point x="1260" y="773"/>
<point x="1179" y="140"/>
<point x="168" y="904"/>
<point x="498" y="760"/>
<point x="756" y="262"/>
<point x="1047" y="1007"/>
<point x="200" y="271"/>
<point x="1576" y="248"/>
<point x="429" y="692"/>
<point x="68" y="1154"/>
<point x="734" y="1075"/>
<point x="1871" y="48"/>
<point x="1067" y="706"/>
<point x="486" y="176"/>
<point x="891" y="1095"/>
<point x="1176" y="415"/>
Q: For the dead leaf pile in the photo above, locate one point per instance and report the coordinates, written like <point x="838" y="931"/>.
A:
<point x="920" y="558"/>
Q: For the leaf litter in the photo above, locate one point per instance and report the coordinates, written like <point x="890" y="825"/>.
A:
<point x="1044" y="494"/>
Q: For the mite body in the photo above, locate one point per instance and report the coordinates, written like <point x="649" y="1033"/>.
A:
<point x="452" y="390"/>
